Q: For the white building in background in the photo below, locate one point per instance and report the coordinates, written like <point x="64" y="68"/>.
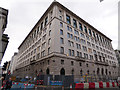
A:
<point x="13" y="63"/>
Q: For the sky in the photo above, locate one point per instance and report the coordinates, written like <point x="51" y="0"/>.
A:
<point x="24" y="14"/>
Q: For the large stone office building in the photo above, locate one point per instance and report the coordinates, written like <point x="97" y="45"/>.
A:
<point x="61" y="43"/>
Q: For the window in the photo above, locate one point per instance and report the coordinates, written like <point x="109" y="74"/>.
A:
<point x="49" y="32"/>
<point x="85" y="55"/>
<point x="49" y="50"/>
<point x="70" y="29"/>
<point x="49" y="41"/>
<point x="61" y="40"/>
<point x="85" y="28"/>
<point x="76" y="32"/>
<point x="94" y="34"/>
<point x="89" y="50"/>
<point x="80" y="27"/>
<point x="61" y="32"/>
<point x="79" y="54"/>
<point x="68" y="19"/>
<point x="69" y="52"/>
<point x="80" y="64"/>
<point x="88" y="72"/>
<point x="73" y="53"/>
<point x="84" y="48"/>
<point x="48" y="62"/>
<point x="44" y="37"/>
<point x="72" y="72"/>
<point x="71" y="36"/>
<point x="41" y="26"/>
<point x="43" y="53"/>
<point x="82" y="35"/>
<point x="87" y="65"/>
<point x="68" y="35"/>
<point x="81" y="72"/>
<point x="70" y="43"/>
<point x="61" y="24"/>
<point x="62" y="50"/>
<point x="62" y="61"/>
<point x="88" y="43"/>
<point x="38" y="56"/>
<point x="97" y="36"/>
<point x="46" y="20"/>
<point x="72" y="63"/>
<point x="60" y="17"/>
<point x="89" y="32"/>
<point x="78" y="46"/>
<point x="91" y="57"/>
<point x="74" y="23"/>
<point x="83" y="41"/>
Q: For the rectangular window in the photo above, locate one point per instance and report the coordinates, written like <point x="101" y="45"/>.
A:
<point x="94" y="34"/>
<point x="68" y="35"/>
<point x="61" y="32"/>
<point x="97" y="36"/>
<point x="72" y="63"/>
<point x="68" y="19"/>
<point x="41" y="26"/>
<point x="49" y="32"/>
<point x="76" y="32"/>
<point x="69" y="51"/>
<point x="62" y="50"/>
<point x="85" y="28"/>
<point x="71" y="36"/>
<point x="80" y="27"/>
<point x="61" y="24"/>
<point x="46" y="20"/>
<point x="91" y="57"/>
<point x="73" y="53"/>
<point x="90" y="32"/>
<point x="49" y="50"/>
<point x="61" y="40"/>
<point x="74" y="23"/>
<point x="62" y="61"/>
<point x="49" y="41"/>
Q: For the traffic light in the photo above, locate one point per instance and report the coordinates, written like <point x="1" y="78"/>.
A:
<point x="5" y="66"/>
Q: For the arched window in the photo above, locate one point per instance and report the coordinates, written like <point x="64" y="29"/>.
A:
<point x="106" y="72"/>
<point x="47" y="71"/>
<point x="72" y="71"/>
<point x="81" y="72"/>
<point x="62" y="71"/>
<point x="98" y="71"/>
<point x="88" y="72"/>
<point x="102" y="71"/>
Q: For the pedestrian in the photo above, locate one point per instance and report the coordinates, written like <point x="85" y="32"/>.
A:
<point x="8" y="84"/>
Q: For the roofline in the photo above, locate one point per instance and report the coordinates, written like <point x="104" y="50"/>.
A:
<point x="38" y="22"/>
<point x="67" y="10"/>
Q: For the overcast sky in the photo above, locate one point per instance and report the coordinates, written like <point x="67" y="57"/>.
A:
<point x="24" y="14"/>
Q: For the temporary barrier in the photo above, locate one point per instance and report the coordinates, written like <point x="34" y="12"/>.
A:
<point x="100" y="84"/>
<point x="22" y="85"/>
<point x="91" y="85"/>
<point x="56" y="83"/>
<point x="96" y="85"/>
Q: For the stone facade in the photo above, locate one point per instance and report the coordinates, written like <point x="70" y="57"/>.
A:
<point x="118" y="58"/>
<point x="3" y="37"/>
<point x="61" y="43"/>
